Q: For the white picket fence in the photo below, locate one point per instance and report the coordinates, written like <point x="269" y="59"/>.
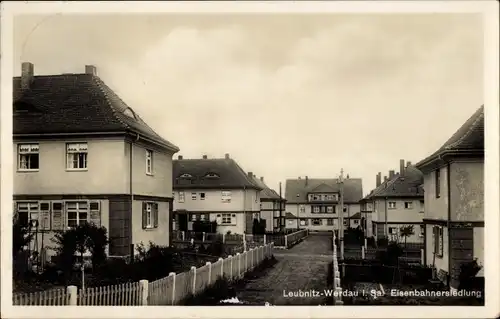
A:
<point x="169" y="290"/>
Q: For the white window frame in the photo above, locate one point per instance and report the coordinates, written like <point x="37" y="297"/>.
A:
<point x="316" y="209"/>
<point x="226" y="219"/>
<point x="194" y="196"/>
<point x="32" y="209"/>
<point x="149" y="215"/>
<point x="182" y="197"/>
<point x="302" y="209"/>
<point x="203" y="196"/>
<point x="77" y="211"/>
<point x="330" y="222"/>
<point x="25" y="151"/>
<point x="72" y="149"/>
<point x="391" y="205"/>
<point x="225" y="196"/>
<point x="393" y="230"/>
<point x="317" y="222"/>
<point x="408" y="205"/>
<point x="329" y="209"/>
<point x="149" y="162"/>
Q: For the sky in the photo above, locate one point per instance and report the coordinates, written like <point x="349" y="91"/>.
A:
<point x="285" y="95"/>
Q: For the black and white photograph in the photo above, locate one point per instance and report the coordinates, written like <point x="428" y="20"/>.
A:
<point x="234" y="155"/>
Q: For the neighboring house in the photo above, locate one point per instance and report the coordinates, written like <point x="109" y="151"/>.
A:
<point x="82" y="155"/>
<point x="355" y="220"/>
<point x="396" y="203"/>
<point x="214" y="190"/>
<point x="270" y="202"/>
<point x="315" y="203"/>
<point x="454" y="201"/>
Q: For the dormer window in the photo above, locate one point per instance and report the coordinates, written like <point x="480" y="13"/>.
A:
<point x="186" y="176"/>
<point x="128" y="112"/>
<point x="211" y="176"/>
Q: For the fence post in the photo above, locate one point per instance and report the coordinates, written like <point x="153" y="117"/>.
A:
<point x="209" y="264"/>
<point x="264" y="239"/>
<point x="230" y="267"/>
<point x="362" y="252"/>
<point x="366" y="243"/>
<point x="183" y="235"/>
<point x="172" y="274"/>
<point x="244" y="243"/>
<point x="224" y="238"/>
<point x="193" y="270"/>
<point x="203" y="238"/>
<point x="72" y="292"/>
<point x="286" y="241"/>
<point x="144" y="291"/>
<point x="238" y="256"/>
<point x="422" y="252"/>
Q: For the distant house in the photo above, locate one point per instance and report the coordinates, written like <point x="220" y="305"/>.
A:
<point x="270" y="202"/>
<point x="454" y="201"/>
<point x="396" y="203"/>
<point x="81" y="155"/>
<point x="214" y="189"/>
<point x="315" y="203"/>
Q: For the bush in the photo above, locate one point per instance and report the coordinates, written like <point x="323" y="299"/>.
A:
<point x="390" y="255"/>
<point x="382" y="241"/>
<point x="467" y="277"/>
<point x="259" y="226"/>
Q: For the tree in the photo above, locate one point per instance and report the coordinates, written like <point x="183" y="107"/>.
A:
<point x="21" y="236"/>
<point x="406" y="232"/>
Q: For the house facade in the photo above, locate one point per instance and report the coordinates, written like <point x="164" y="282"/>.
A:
<point x="270" y="203"/>
<point x="396" y="203"/>
<point x="454" y="201"/>
<point x="315" y="203"/>
<point x="82" y="155"/>
<point x="214" y="190"/>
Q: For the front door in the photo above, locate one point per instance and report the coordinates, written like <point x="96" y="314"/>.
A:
<point x="183" y="222"/>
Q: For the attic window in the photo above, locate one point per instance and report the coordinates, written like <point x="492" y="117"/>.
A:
<point x="128" y="112"/>
<point x="211" y="175"/>
<point x="186" y="176"/>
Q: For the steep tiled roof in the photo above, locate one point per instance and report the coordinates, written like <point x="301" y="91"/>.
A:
<point x="266" y="193"/>
<point x="353" y="190"/>
<point x="290" y="215"/>
<point x="75" y="103"/>
<point x="407" y="185"/>
<point x="468" y="138"/>
<point x="356" y="216"/>
<point x="211" y="173"/>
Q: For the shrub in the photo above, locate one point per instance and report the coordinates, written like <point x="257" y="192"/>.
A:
<point x="382" y="241"/>
<point x="259" y="226"/>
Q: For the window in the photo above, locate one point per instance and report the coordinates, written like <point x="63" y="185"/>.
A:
<point x="345" y="222"/>
<point x="303" y="222"/>
<point x="408" y="205"/>
<point x="203" y="217"/>
<point x="392" y="205"/>
<point x="149" y="162"/>
<point x="317" y="222"/>
<point x="149" y="215"/>
<point x="329" y="197"/>
<point x="76" y="156"/>
<point x="193" y="196"/>
<point x="422" y="230"/>
<point x="438" y="183"/>
<point x="438" y="240"/>
<point x="356" y="222"/>
<point x="202" y="196"/>
<point x="77" y="213"/>
<point x="28" y="157"/>
<point x="329" y="221"/>
<point x="226" y="196"/>
<point x="393" y="230"/>
<point x="323" y="209"/>
<point x="329" y="209"/>
<point x="26" y="212"/>
<point x="345" y="209"/>
<point x="226" y="219"/>
<point x="302" y="209"/>
<point x="316" y="209"/>
<point x="181" y="197"/>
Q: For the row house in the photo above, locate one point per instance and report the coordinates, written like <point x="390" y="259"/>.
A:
<point x="214" y="189"/>
<point x="82" y="155"/>
<point x="271" y="206"/>
<point x="454" y="201"/>
<point x="395" y="203"/>
<point x="315" y="203"/>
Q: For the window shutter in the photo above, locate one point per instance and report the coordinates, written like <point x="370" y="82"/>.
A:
<point x="219" y="219"/>
<point x="44" y="219"/>
<point x="155" y="215"/>
<point x="144" y="217"/>
<point x="95" y="213"/>
<point x="58" y="216"/>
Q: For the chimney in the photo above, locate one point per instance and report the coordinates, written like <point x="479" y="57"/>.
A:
<point x="262" y="178"/>
<point x="179" y="157"/>
<point x="385" y="179"/>
<point x="402" y="166"/>
<point x="227" y="156"/>
<point x="307" y="180"/>
<point x="379" y="179"/>
<point x="205" y="157"/>
<point x="347" y="176"/>
<point x="300" y="178"/>
<point x="27" y="74"/>
<point x="391" y="174"/>
<point x="408" y="163"/>
<point x="90" y="69"/>
<point x="250" y="174"/>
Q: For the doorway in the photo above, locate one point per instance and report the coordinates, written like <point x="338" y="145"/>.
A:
<point x="183" y="222"/>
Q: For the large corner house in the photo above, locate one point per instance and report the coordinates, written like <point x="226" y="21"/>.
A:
<point x="215" y="189"/>
<point x="315" y="203"/>
<point x="454" y="201"/>
<point x="395" y="203"/>
<point x="82" y="155"/>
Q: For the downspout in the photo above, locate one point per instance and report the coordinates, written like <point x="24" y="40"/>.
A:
<point x="386" y="228"/>
<point x="131" y="191"/>
<point x="448" y="222"/>
<point x="245" y="207"/>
